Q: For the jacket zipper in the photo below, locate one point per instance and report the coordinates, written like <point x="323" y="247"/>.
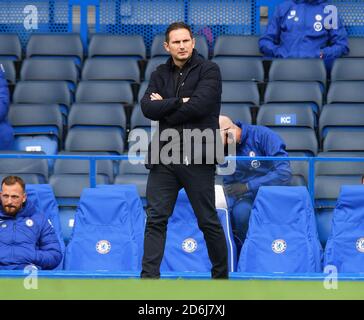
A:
<point x="182" y="83"/>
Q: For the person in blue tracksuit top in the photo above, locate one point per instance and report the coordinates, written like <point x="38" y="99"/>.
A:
<point x="305" y="29"/>
<point x="27" y="237"/>
<point x="242" y="186"/>
<point x="6" y="131"/>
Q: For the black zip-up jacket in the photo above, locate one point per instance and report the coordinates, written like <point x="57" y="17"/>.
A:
<point x="201" y="82"/>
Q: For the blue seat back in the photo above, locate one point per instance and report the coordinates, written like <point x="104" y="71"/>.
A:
<point x="103" y="236"/>
<point x="185" y="245"/>
<point x="282" y="234"/>
<point x="44" y="200"/>
<point x="345" y="246"/>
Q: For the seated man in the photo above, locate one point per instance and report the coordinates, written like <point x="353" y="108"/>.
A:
<point x="305" y="29"/>
<point x="26" y="236"/>
<point x="6" y="131"/>
<point x="242" y="186"/>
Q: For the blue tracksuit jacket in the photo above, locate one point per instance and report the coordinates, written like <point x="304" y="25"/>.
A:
<point x="260" y="141"/>
<point x="28" y="238"/>
<point x="6" y="131"/>
<point x="297" y="30"/>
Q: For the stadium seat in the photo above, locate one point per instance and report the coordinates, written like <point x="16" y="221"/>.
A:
<point x="303" y="140"/>
<point x="299" y="169"/>
<point x="286" y="115"/>
<point x="345" y="246"/>
<point x="32" y="171"/>
<point x="10" y="46"/>
<point x="157" y="48"/>
<point x="111" y="69"/>
<point x="76" y="166"/>
<point x="104" y="92"/>
<point x="50" y="69"/>
<point x="152" y="65"/>
<point x="29" y="120"/>
<point x="68" y="188"/>
<point x="356" y="46"/>
<point x="329" y="177"/>
<point x="108" y="45"/>
<point x="44" y="92"/>
<point x="240" y="68"/>
<point x="346" y="92"/>
<point x="348" y="69"/>
<point x="106" y="242"/>
<point x="66" y="46"/>
<point x="43" y="197"/>
<point x="98" y="115"/>
<point x="307" y="70"/>
<point x="344" y="139"/>
<point x="282" y="234"/>
<point x="134" y="174"/>
<point x="95" y="140"/>
<point x="294" y="92"/>
<point x="185" y="249"/>
<point x="236" y="112"/>
<point x="242" y="92"/>
<point x="339" y="116"/>
<point x="229" y="45"/>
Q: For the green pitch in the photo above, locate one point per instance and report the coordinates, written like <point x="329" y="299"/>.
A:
<point x="136" y="289"/>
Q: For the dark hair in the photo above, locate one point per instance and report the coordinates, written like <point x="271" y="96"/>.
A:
<point x="11" y="180"/>
<point x="176" y="26"/>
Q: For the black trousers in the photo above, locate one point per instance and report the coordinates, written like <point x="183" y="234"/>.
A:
<point x="164" y="182"/>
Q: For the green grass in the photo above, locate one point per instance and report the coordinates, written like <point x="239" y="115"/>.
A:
<point x="136" y="289"/>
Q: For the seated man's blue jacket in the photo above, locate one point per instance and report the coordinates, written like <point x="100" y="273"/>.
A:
<point x="297" y="30"/>
<point x="6" y="131"/>
<point x="28" y="238"/>
<point x="259" y="141"/>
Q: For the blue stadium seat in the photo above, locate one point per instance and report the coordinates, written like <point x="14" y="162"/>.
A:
<point x="104" y="92"/>
<point x="10" y="46"/>
<point x="105" y="242"/>
<point x="43" y="197"/>
<point x="185" y="249"/>
<point x="107" y="45"/>
<point x="229" y="45"/>
<point x="282" y="234"/>
<point x="111" y="69"/>
<point x="329" y="177"/>
<point x="31" y="170"/>
<point x="50" y="69"/>
<point x="240" y="68"/>
<point x="56" y="45"/>
<point x="157" y="48"/>
<point x="345" y="246"/>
